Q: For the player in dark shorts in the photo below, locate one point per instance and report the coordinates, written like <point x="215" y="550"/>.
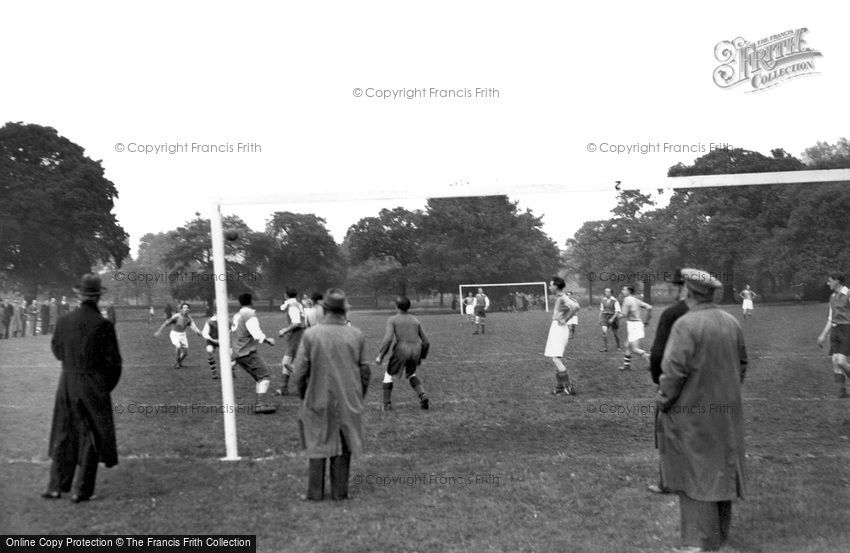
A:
<point x="409" y="347"/>
<point x="609" y="317"/>
<point x="248" y="336"/>
<point x="293" y="332"/>
<point x="210" y="334"/>
<point x="482" y="303"/>
<point x="838" y="328"/>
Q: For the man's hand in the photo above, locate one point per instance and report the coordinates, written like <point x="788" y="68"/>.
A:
<point x="378" y="360"/>
<point x="270" y="341"/>
<point x="661" y="403"/>
<point x="821" y="340"/>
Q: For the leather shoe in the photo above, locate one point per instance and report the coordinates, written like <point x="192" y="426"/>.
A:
<point x="51" y="495"/>
<point x="79" y="498"/>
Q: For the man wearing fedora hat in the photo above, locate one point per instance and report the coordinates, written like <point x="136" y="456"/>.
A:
<point x="83" y="432"/>
<point x="331" y="375"/>
<point x="656" y="354"/>
<point x="700" y="427"/>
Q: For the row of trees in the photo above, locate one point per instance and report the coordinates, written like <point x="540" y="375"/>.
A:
<point x="56" y="222"/>
<point x="398" y="251"/>
<point x="779" y="237"/>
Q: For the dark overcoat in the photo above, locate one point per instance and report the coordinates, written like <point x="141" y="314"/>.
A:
<point x="700" y="427"/>
<point x="86" y="345"/>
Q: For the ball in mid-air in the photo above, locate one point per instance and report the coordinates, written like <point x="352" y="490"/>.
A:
<point x="231" y="234"/>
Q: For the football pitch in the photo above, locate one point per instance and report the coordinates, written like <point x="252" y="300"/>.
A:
<point x="497" y="464"/>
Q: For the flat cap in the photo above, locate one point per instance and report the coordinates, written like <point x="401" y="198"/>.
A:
<point x="700" y="282"/>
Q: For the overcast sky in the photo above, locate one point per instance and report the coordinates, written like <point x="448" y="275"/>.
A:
<point x="281" y="79"/>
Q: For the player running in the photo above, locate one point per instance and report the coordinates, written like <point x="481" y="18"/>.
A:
<point x="210" y="334"/>
<point x="634" y="325"/>
<point x="248" y="336"/>
<point x="293" y="331"/>
<point x="609" y="315"/>
<point x="180" y="321"/>
<point x="409" y="347"/>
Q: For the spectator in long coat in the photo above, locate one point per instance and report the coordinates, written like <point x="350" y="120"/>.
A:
<point x="656" y="355"/>
<point x="701" y="424"/>
<point x="6" y="314"/>
<point x="18" y="325"/>
<point x="53" y="314"/>
<point x="331" y="375"/>
<point x="83" y="432"/>
<point x="45" y="317"/>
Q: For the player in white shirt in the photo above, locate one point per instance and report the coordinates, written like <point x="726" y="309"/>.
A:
<point x="635" y="324"/>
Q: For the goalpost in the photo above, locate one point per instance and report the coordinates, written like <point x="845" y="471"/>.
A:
<point x="538" y="283"/>
<point x="448" y="190"/>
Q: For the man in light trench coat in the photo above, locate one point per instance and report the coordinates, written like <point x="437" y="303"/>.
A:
<point x="331" y="376"/>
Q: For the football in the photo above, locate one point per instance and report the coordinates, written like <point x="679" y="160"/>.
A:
<point x="231" y="234"/>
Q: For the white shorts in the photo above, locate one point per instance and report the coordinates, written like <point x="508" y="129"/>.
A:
<point x="179" y="339"/>
<point x="748" y="304"/>
<point x="556" y="343"/>
<point x="634" y="330"/>
<point x="469" y="309"/>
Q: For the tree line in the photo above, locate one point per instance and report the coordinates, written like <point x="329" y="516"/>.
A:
<point x="782" y="239"/>
<point x="398" y="251"/>
<point x="56" y="222"/>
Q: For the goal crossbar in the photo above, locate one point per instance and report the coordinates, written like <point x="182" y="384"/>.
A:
<point x="492" y="284"/>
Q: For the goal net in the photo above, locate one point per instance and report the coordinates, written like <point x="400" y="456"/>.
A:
<point x="508" y="296"/>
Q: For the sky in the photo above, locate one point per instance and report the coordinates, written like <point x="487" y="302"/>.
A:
<point x="297" y="99"/>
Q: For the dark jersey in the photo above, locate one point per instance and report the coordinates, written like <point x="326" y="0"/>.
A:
<point x="181" y="322"/>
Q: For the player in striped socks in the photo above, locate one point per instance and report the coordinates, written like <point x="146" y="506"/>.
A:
<point x="559" y="335"/>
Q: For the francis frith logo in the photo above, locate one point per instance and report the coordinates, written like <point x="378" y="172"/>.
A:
<point x="766" y="63"/>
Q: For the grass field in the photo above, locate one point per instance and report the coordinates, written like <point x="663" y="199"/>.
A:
<point x="553" y="473"/>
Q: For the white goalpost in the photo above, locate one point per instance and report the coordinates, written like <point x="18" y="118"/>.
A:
<point x="491" y="285"/>
<point x="447" y="190"/>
